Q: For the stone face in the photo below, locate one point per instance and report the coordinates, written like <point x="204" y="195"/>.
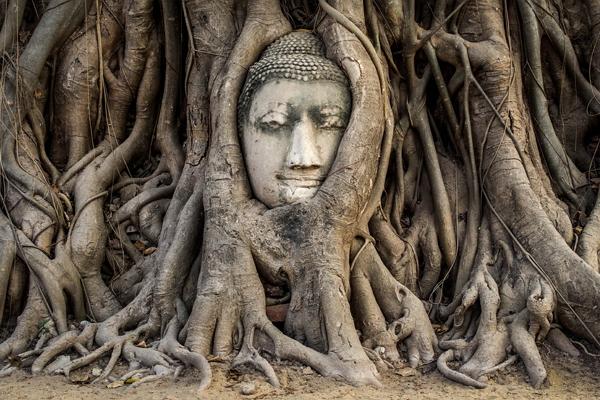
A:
<point x="294" y="109"/>
<point x="291" y="138"/>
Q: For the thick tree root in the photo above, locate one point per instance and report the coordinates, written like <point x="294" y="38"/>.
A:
<point x="403" y="311"/>
<point x="524" y="344"/>
<point x="442" y="364"/>
<point x="170" y="346"/>
<point x="61" y="344"/>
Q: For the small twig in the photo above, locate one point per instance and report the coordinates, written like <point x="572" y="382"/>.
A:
<point x="585" y="350"/>
<point x="133" y="373"/>
<point x="510" y="360"/>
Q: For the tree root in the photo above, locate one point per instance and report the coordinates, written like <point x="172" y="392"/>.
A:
<point x="7" y="371"/>
<point x="15" y="10"/>
<point x="243" y="314"/>
<point x="524" y="344"/>
<point x="250" y="356"/>
<point x="8" y="252"/>
<point x="57" y="277"/>
<point x="407" y="318"/>
<point x="27" y="325"/>
<point x="559" y="340"/>
<point x="169" y="345"/>
<point x="115" y="346"/>
<point x="442" y="364"/>
<point x="61" y="344"/>
<point x="509" y="361"/>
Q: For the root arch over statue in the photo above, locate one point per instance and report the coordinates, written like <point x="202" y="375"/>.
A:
<point x="179" y="170"/>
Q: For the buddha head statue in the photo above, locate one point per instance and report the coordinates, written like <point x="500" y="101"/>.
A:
<point x="292" y="114"/>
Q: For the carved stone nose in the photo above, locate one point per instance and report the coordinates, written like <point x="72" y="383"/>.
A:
<point x="303" y="151"/>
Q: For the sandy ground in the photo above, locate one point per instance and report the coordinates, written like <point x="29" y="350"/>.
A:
<point x="568" y="379"/>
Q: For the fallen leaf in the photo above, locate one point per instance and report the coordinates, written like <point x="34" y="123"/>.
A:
<point x="406" y="372"/>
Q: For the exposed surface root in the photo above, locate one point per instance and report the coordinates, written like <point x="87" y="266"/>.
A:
<point x="169" y="345"/>
<point x="442" y="364"/>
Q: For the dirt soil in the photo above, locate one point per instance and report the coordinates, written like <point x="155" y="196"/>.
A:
<point x="568" y="378"/>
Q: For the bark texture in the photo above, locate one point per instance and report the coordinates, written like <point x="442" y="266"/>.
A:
<point x="463" y="195"/>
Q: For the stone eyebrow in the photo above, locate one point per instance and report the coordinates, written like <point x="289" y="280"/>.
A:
<point x="330" y="110"/>
<point x="270" y="112"/>
<point x="277" y="108"/>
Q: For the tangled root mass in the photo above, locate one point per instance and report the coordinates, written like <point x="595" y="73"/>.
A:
<point x="463" y="195"/>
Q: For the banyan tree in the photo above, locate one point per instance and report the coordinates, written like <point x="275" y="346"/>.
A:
<point x="324" y="182"/>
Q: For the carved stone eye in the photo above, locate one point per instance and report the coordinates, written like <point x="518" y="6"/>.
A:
<point x="273" y="124"/>
<point x="332" y="122"/>
<point x="273" y="121"/>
